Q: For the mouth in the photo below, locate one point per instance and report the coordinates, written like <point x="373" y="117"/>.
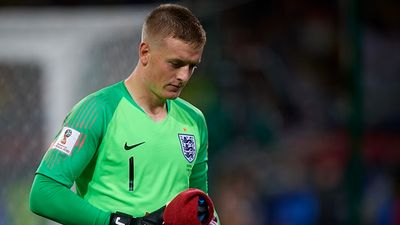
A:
<point x="174" y="87"/>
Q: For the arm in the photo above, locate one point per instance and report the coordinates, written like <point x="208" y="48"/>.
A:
<point x="52" y="200"/>
<point x="199" y="175"/>
<point x="64" y="161"/>
<point x="55" y="201"/>
<point x="71" y="159"/>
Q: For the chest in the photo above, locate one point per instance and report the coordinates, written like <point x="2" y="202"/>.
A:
<point x="131" y="133"/>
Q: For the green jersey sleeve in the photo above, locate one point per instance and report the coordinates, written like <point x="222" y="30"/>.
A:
<point x="199" y="177"/>
<point x="68" y="159"/>
<point x="64" y="207"/>
<point x="75" y="145"/>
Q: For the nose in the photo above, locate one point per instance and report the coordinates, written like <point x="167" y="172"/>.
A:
<point x="184" y="73"/>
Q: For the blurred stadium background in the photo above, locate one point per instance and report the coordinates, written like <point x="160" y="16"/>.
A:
<point x="302" y="100"/>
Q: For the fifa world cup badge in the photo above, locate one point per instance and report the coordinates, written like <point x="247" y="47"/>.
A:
<point x="66" y="140"/>
<point x="67" y="134"/>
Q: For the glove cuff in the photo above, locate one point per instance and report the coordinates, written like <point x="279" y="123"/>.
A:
<point x="120" y="218"/>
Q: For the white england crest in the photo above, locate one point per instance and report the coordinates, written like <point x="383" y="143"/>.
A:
<point x="188" y="146"/>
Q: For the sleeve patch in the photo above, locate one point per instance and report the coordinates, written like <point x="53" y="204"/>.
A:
<point x="66" y="140"/>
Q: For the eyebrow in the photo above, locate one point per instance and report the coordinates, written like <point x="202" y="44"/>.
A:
<point x="185" y="62"/>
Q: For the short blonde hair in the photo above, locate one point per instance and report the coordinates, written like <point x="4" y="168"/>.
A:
<point x="176" y="21"/>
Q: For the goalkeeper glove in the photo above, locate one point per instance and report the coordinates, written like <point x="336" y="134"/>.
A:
<point x="154" y="218"/>
<point x="191" y="206"/>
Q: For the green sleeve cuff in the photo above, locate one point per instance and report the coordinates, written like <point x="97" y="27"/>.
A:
<point x="54" y="201"/>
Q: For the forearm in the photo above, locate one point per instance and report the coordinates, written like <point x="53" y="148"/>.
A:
<point x="53" y="200"/>
<point x="198" y="178"/>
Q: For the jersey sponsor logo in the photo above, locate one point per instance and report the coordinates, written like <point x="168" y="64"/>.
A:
<point x="66" y="140"/>
<point x="129" y="147"/>
<point x="188" y="146"/>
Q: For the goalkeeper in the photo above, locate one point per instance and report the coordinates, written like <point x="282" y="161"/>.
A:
<point x="133" y="146"/>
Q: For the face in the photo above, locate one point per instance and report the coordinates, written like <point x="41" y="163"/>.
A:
<point x="169" y="65"/>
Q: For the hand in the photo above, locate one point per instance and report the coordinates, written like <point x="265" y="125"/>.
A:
<point x="154" y="218"/>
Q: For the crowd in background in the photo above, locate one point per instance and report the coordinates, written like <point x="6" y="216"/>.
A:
<point x="280" y="114"/>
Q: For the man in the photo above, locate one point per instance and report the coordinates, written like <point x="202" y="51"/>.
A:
<point x="133" y="146"/>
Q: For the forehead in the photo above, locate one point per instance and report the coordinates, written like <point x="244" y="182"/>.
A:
<point x="175" y="48"/>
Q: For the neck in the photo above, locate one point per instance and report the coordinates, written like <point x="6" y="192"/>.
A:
<point x="151" y="104"/>
<point x="156" y="113"/>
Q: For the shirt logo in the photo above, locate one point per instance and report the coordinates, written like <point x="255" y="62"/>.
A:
<point x="188" y="146"/>
<point x="117" y="221"/>
<point x="66" y="140"/>
<point x="67" y="134"/>
<point x="129" y="147"/>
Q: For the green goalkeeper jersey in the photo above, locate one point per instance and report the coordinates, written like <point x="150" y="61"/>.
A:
<point x="121" y="159"/>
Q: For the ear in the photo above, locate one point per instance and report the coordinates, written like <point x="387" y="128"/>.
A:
<point x="144" y="51"/>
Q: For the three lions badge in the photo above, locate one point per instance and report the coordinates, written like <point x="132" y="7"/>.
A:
<point x="188" y="146"/>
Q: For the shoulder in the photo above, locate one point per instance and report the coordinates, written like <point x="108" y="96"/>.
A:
<point x="187" y="107"/>
<point x="105" y="97"/>
<point x="187" y="112"/>
<point x="110" y="93"/>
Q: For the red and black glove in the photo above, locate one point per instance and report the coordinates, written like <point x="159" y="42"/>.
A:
<point x="154" y="218"/>
<point x="191" y="206"/>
